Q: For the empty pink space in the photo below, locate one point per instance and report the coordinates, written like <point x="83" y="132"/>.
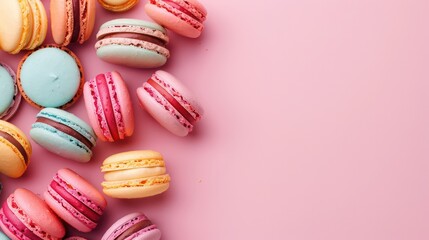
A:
<point x="316" y="124"/>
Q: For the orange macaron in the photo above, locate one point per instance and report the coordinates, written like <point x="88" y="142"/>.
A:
<point x="72" y="20"/>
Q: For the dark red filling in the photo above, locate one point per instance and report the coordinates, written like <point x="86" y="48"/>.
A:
<point x="103" y="94"/>
<point x="172" y="101"/>
<point x="67" y="130"/>
<point x="138" y="36"/>
<point x="17" y="144"/>
<point x="10" y="216"/>
<point x="78" y="205"/>
<point x="180" y="8"/>
<point x="76" y="20"/>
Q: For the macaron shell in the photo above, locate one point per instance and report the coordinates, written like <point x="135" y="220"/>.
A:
<point x="83" y="186"/>
<point x="118" y="224"/>
<point x="6" y="231"/>
<point x="171" y="21"/>
<point x="10" y="97"/>
<point x="12" y="163"/>
<point x="87" y="24"/>
<point x="3" y="237"/>
<point x="64" y="214"/>
<point x="125" y="103"/>
<point x="130" y="192"/>
<point x="154" y="234"/>
<point x="92" y="114"/>
<point x="131" y="56"/>
<point x="37" y="210"/>
<point x="16" y="21"/>
<point x="158" y="112"/>
<point x="118" y="5"/>
<point x="60" y="143"/>
<point x="40" y="24"/>
<point x="58" y="11"/>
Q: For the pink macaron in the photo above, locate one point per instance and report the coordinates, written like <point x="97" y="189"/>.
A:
<point x="170" y="103"/>
<point x="25" y="216"/>
<point x="109" y="106"/>
<point x="184" y="17"/>
<point x="133" y="226"/>
<point x="75" y="200"/>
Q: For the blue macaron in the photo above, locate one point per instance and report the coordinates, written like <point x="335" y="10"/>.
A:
<point x="9" y="94"/>
<point x="3" y="237"/>
<point x="64" y="134"/>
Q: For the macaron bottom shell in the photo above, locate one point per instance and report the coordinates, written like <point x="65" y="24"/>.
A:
<point x="60" y="143"/>
<point x="129" y="192"/>
<point x="131" y="56"/>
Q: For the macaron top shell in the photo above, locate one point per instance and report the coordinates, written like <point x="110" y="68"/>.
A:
<point x="38" y="212"/>
<point x="40" y="24"/>
<point x="50" y="77"/>
<point x="16" y="19"/>
<point x="83" y="186"/>
<point x="59" y="9"/>
<point x="133" y="22"/>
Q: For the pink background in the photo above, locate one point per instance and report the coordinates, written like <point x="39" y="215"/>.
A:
<point x="316" y="124"/>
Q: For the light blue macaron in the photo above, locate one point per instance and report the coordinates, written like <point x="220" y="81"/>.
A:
<point x="9" y="94"/>
<point x="3" y="237"/>
<point x="50" y="77"/>
<point x="64" y="134"/>
<point x="133" y="43"/>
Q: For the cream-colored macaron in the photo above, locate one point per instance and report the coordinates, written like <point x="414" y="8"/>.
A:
<point x="135" y="174"/>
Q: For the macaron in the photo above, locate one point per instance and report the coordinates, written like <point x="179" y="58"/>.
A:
<point x="184" y="17"/>
<point x="170" y="103"/>
<point x="75" y="200"/>
<point x="25" y="216"/>
<point x="132" y="43"/>
<point x="133" y="226"/>
<point x="72" y="20"/>
<point x="109" y="106"/>
<point x="64" y="134"/>
<point x="51" y="76"/>
<point x="118" y="5"/>
<point x="134" y="174"/>
<point x="10" y="96"/>
<point x="23" y="25"/>
<point x="3" y="237"/>
<point x="15" y="150"/>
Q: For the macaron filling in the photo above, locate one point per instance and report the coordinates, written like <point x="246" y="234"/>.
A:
<point x="131" y="227"/>
<point x="180" y="8"/>
<point x="172" y="101"/>
<point x="15" y="143"/>
<point x="16" y="226"/>
<point x="65" y="129"/>
<point x="76" y="20"/>
<point x="72" y="200"/>
<point x="137" y="36"/>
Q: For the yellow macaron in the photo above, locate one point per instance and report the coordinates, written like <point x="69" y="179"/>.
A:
<point x="118" y="5"/>
<point x="135" y="174"/>
<point x="15" y="150"/>
<point x="23" y="25"/>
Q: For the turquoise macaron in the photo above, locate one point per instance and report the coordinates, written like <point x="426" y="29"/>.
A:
<point x="51" y="76"/>
<point x="64" y="134"/>
<point x="132" y="43"/>
<point x="9" y="94"/>
<point x="3" y="237"/>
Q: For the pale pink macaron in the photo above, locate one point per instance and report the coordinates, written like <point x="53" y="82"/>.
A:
<point x="184" y="17"/>
<point x="25" y="216"/>
<point x="75" y="200"/>
<point x="133" y="226"/>
<point x="109" y="106"/>
<point x="170" y="103"/>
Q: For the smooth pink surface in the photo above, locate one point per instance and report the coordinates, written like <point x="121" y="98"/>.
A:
<point x="315" y="127"/>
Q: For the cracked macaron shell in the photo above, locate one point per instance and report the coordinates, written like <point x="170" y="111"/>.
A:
<point x="60" y="142"/>
<point x="15" y="149"/>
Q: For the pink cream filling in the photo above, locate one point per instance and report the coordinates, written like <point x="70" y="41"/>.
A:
<point x="101" y="118"/>
<point x="15" y="226"/>
<point x="116" y="107"/>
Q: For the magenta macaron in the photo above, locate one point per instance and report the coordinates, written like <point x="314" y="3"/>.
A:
<point x="109" y="106"/>
<point x="170" y="103"/>
<point x="25" y="216"/>
<point x="75" y="200"/>
<point x="133" y="226"/>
